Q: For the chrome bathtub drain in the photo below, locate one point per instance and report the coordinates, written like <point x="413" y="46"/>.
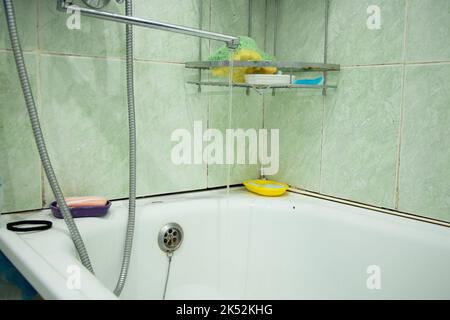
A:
<point x="170" y="237"/>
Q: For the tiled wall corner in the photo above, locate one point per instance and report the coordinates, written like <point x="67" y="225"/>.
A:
<point x="360" y="135"/>
<point x="298" y="116"/>
<point x="386" y="118"/>
<point x="246" y="114"/>
<point x="425" y="151"/>
<point x="82" y="97"/>
<point x="231" y="17"/>
<point x="301" y="30"/>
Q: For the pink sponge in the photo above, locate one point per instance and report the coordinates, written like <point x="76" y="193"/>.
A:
<point x="83" y="207"/>
<point x="90" y="201"/>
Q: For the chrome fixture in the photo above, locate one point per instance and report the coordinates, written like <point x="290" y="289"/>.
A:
<point x="170" y="237"/>
<point x="231" y="41"/>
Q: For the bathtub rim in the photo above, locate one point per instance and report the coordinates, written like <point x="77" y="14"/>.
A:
<point x="24" y="256"/>
<point x="292" y="189"/>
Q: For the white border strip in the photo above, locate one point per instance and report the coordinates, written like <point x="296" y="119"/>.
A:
<point x="369" y="207"/>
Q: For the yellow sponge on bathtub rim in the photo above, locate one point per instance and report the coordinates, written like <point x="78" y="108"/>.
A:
<point x="266" y="188"/>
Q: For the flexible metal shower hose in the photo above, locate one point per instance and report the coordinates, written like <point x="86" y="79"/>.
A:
<point x="37" y="132"/>
<point x="42" y="149"/>
<point x="132" y="154"/>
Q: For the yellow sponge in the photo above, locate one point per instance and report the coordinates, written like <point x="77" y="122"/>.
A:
<point x="266" y="187"/>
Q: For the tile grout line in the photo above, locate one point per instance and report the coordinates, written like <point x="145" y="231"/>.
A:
<point x="264" y="96"/>
<point x="201" y="49"/>
<point x="74" y="55"/>
<point x="402" y="109"/>
<point x="208" y="115"/>
<point x="81" y="56"/>
<point x="325" y="55"/>
<point x="396" y="64"/>
<point x="9" y="50"/>
<point x="39" y="93"/>
<point x="321" y="144"/>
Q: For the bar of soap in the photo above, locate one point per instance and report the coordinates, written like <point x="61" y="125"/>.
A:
<point x="90" y="201"/>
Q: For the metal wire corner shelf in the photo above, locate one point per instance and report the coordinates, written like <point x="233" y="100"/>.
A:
<point x="285" y="66"/>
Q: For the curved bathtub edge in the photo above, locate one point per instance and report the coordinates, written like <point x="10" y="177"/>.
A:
<point x="23" y="257"/>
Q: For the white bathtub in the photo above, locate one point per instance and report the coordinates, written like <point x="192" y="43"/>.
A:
<point x="241" y="247"/>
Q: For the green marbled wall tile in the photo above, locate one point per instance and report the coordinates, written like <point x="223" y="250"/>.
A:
<point x="301" y="30"/>
<point x="26" y="20"/>
<point x="360" y="138"/>
<point x="425" y="151"/>
<point x="95" y="37"/>
<point x="84" y="118"/>
<point x="258" y="19"/>
<point x="229" y="17"/>
<point x="164" y="103"/>
<point x="270" y="27"/>
<point x="165" y="46"/>
<point x="298" y="116"/>
<point x="428" y="34"/>
<point x="168" y="46"/>
<point x="246" y="114"/>
<point x="20" y="169"/>
<point x="352" y="43"/>
<point x="206" y="22"/>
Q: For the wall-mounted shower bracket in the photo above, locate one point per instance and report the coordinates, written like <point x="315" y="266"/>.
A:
<point x="231" y="41"/>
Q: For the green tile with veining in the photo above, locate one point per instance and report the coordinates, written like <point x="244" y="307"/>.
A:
<point x="298" y="116"/>
<point x="26" y="21"/>
<point x="229" y="17"/>
<point x="425" y="151"/>
<point x="95" y="37"/>
<point x="258" y="22"/>
<point x="232" y="18"/>
<point x="20" y="170"/>
<point x="360" y="136"/>
<point x="428" y="34"/>
<point x="301" y="30"/>
<point x="168" y="46"/>
<point x="165" y="103"/>
<point x="351" y="42"/>
<point x="84" y="118"/>
<point x="246" y="114"/>
<point x="270" y="27"/>
<point x="206" y="25"/>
